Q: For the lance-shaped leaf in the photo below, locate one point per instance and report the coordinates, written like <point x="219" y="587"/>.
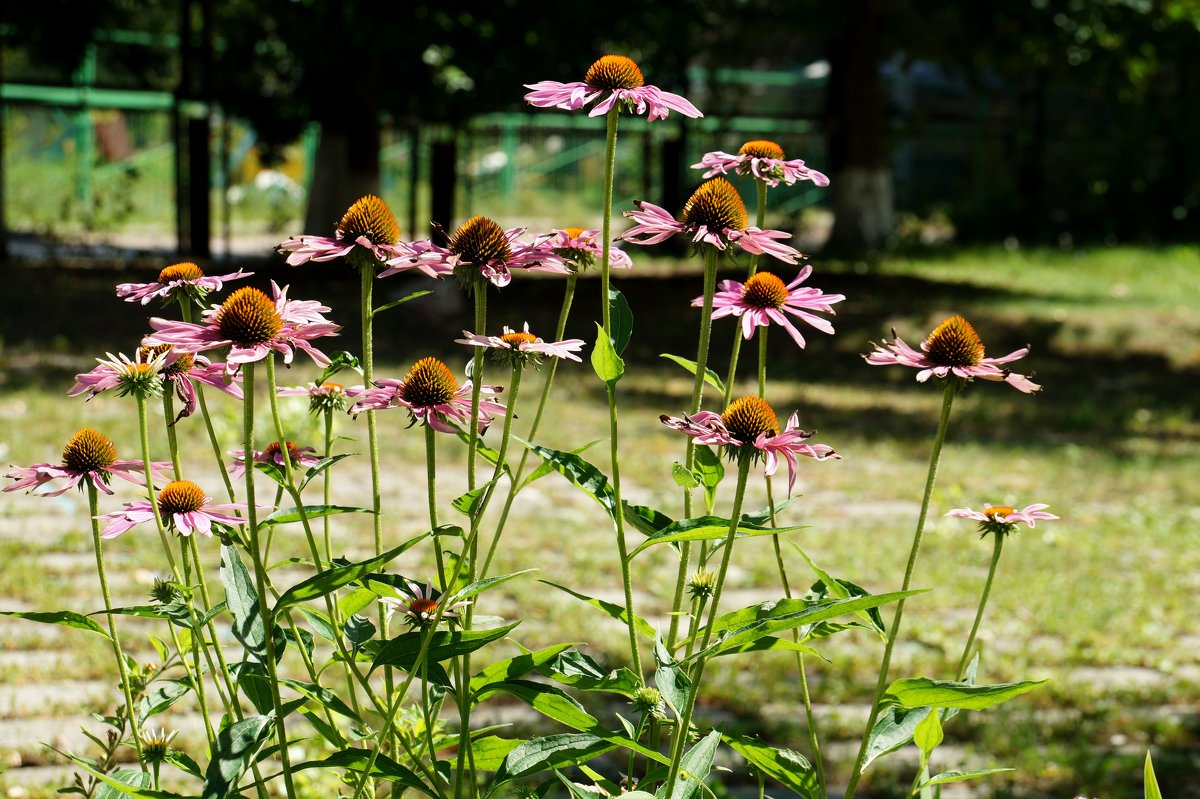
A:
<point x="550" y="752"/>
<point x="647" y="520"/>
<point x="332" y="579"/>
<point x="607" y="364"/>
<point x="693" y="768"/>
<point x="773" y="644"/>
<point x="126" y="788"/>
<point x="242" y="600"/>
<point x="160" y="696"/>
<point x="915" y="692"/>
<point x="399" y="302"/>
<point x="235" y="749"/>
<point x="707" y="528"/>
<point x="579" y="671"/>
<point x="612" y="609"/>
<point x="384" y="768"/>
<point x="790" y="769"/>
<point x="582" y="474"/>
<point x="402" y="650"/>
<point x="670" y="679"/>
<point x="488" y="752"/>
<point x="290" y="515"/>
<point x="67" y="618"/>
<point x="620" y="318"/>
<point x="468" y="504"/>
<point x="960" y="776"/>
<point x="544" y="468"/>
<point x="1150" y="781"/>
<point x="479" y="586"/>
<point x="515" y="667"/>
<point x="710" y="376"/>
<point x="321" y="466"/>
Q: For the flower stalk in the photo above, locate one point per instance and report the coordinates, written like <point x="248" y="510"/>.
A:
<point x="998" y="545"/>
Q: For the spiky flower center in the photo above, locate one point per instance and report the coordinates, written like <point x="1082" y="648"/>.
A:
<point x="954" y="343"/>
<point x="573" y="232"/>
<point x="764" y="290"/>
<point x="479" y="240"/>
<point x="749" y="417"/>
<point x="370" y="217"/>
<point x="515" y="340"/>
<point x="180" y="366"/>
<point x="998" y="513"/>
<point x="180" y="496"/>
<point x="429" y="383"/>
<point x="614" y="72"/>
<point x="273" y="449"/>
<point x="184" y="271"/>
<point x="717" y="206"/>
<point x="89" y="450"/>
<point x="762" y="148"/>
<point x="423" y="608"/>
<point x="249" y="317"/>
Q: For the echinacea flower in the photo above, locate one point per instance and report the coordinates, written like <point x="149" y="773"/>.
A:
<point x="523" y="345"/>
<point x="1002" y="519"/>
<point x="764" y="160"/>
<point x="184" y="279"/>
<point x="750" y="428"/>
<point x="368" y="228"/>
<point x="616" y="81"/>
<point x="953" y="348"/>
<point x="252" y="325"/>
<point x="323" y="396"/>
<point x="180" y="370"/>
<point x="182" y="506"/>
<point x="764" y="299"/>
<point x="141" y="377"/>
<point x="480" y="248"/>
<point x="156" y="745"/>
<point x="583" y="248"/>
<point x="300" y="457"/>
<point x="88" y="457"/>
<point x="432" y="395"/>
<point x="421" y="606"/>
<point x="715" y="214"/>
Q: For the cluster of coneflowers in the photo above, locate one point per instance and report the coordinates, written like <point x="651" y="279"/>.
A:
<point x="378" y="701"/>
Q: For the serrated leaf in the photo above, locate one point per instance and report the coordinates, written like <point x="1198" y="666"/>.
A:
<point x="962" y="776"/>
<point x="290" y="515"/>
<point x="923" y="692"/>
<point x="612" y="609"/>
<point x="607" y="364"/>
<point x="710" y="376"/>
<point x="66" y="618"/>
<point x="786" y="767"/>
<point x="332" y="579"/>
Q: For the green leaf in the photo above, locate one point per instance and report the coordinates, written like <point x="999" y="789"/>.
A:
<point x="479" y="586"/>
<point x="321" y="466"/>
<point x="242" y="600"/>
<point x="488" y="753"/>
<point x="515" y="667"/>
<point x="339" y="361"/>
<point x="252" y="679"/>
<point x="326" y="730"/>
<point x="694" y="767"/>
<point x="682" y="477"/>
<point x="671" y="681"/>
<point x="289" y="515"/>
<point x="330" y="580"/>
<point x="893" y="731"/>
<point x="551" y="701"/>
<point x="773" y="644"/>
<point x="842" y="589"/>
<point x="67" y="618"/>
<point x="550" y="752"/>
<point x="468" y="503"/>
<point x="320" y="624"/>
<point x="612" y="609"/>
<point x="359" y="629"/>
<point x="545" y="468"/>
<point x="647" y="520"/>
<point x="184" y="762"/>
<point x="322" y="696"/>
<point x="1151" y="782"/>
<point x="394" y="303"/>
<point x="582" y="474"/>
<point x="126" y="776"/>
<point x="354" y="601"/>
<point x="159" y="697"/>
<point x="402" y="650"/>
<point x="235" y="749"/>
<point x="356" y="760"/>
<point x="924" y="692"/>
<point x="706" y="528"/>
<point x="605" y="361"/>
<point x="784" y="766"/>
<point x="928" y="734"/>
<point x="710" y="470"/>
<point x="962" y="776"/>
<point x="620" y="318"/>
<point x="710" y="376"/>
<point x="581" y="672"/>
<point x="111" y="781"/>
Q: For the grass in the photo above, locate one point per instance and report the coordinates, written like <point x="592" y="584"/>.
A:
<point x="1101" y="603"/>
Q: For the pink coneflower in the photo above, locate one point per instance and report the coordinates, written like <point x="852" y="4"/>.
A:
<point x="618" y="81"/>
<point x="432" y="395"/>
<point x="764" y="299"/>
<point x="749" y="427"/>
<point x="301" y="457"/>
<point x="762" y="159"/>
<point x="252" y="324"/>
<point x="953" y="348"/>
<point x="481" y="247"/>
<point x="88" y="457"/>
<point x="583" y="248"/>
<point x="178" y="369"/>
<point x="421" y="607"/>
<point x="716" y="215"/>
<point x="185" y="278"/>
<point x="368" y="227"/>
<point x="524" y="345"/>
<point x="1002" y="519"/>
<point x="141" y="376"/>
<point x="322" y="396"/>
<point x="182" y="506"/>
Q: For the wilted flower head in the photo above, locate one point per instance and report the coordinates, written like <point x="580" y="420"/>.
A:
<point x="764" y="160"/>
<point x="764" y="299"/>
<point x="88" y="456"/>
<point x="432" y="395"/>
<point x="582" y="249"/>
<point x="616" y="81"/>
<point x="1002" y="519"/>
<point x="750" y="428"/>
<point x="421" y="606"/>
<point x="183" y="280"/>
<point x="523" y="346"/>
<point x="715" y="215"/>
<point x="368" y="234"/>
<point x="480" y="250"/>
<point x="952" y="349"/>
<point x="182" y="506"/>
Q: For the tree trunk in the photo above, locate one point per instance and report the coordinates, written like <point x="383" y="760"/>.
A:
<point x="860" y="188"/>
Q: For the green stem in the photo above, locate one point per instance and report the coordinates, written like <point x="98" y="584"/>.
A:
<point x="98" y="543"/>
<point x="760" y="220"/>
<point x="610" y="164"/>
<point x="260" y="577"/>
<point x="893" y="633"/>
<point x="185" y="307"/>
<point x="762" y="362"/>
<point x="480" y="294"/>
<point x="987" y="590"/>
<point x="328" y="453"/>
<point x="144" y="430"/>
<point x="679" y="740"/>
<point x="515" y="486"/>
<point x="172" y="441"/>
<point x="431" y="492"/>
<point x="514" y="388"/>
